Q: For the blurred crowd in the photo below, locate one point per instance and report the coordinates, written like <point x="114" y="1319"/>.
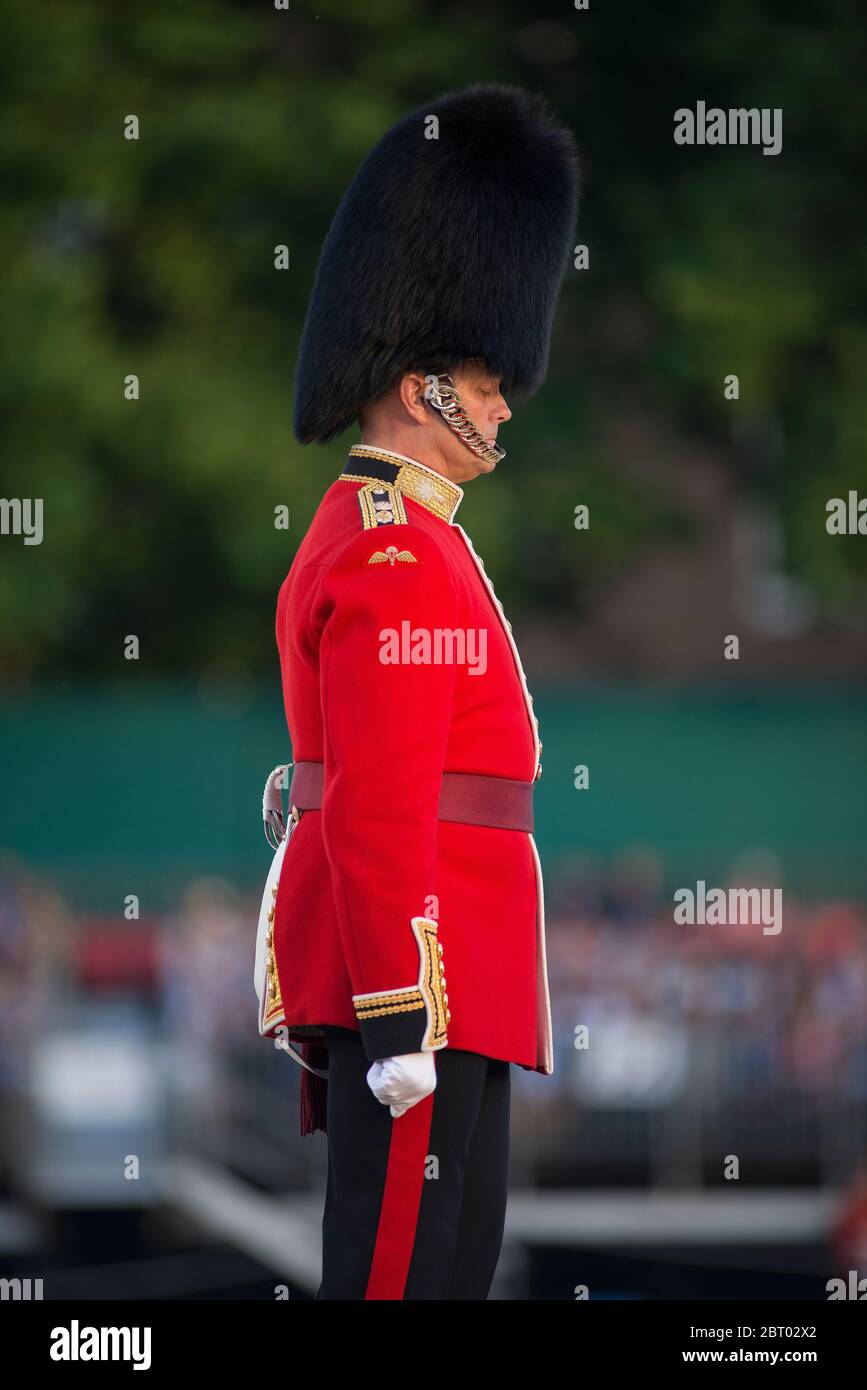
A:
<point x="768" y="1011"/>
<point x="646" y="1013"/>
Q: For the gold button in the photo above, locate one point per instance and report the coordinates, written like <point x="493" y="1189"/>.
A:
<point x="448" y="1015"/>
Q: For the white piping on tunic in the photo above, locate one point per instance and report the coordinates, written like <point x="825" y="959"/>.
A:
<point x="528" y="699"/>
<point x="544" y="1027"/>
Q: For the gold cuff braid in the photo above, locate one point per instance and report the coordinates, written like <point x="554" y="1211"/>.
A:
<point x="429" y="993"/>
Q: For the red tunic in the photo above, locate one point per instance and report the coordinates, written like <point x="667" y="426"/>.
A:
<point x="375" y="856"/>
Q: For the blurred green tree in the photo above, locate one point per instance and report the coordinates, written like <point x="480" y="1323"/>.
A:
<point x="155" y="258"/>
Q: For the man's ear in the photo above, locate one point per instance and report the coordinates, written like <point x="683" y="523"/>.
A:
<point x="411" y="396"/>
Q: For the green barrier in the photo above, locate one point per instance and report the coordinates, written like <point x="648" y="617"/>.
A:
<point x="110" y="794"/>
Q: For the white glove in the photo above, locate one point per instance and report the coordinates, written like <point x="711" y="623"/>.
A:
<point x="400" y="1082"/>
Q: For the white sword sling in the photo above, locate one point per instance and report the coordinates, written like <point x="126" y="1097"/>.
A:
<point x="278" y="836"/>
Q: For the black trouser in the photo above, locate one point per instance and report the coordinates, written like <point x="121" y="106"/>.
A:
<point x="415" y="1206"/>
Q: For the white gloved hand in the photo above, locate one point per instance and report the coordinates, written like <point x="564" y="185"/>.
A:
<point x="400" y="1082"/>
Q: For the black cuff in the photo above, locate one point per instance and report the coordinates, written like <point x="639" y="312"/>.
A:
<point x="413" y="1018"/>
<point x="392" y="1035"/>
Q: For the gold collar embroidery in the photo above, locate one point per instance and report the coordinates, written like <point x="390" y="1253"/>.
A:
<point x="424" y="485"/>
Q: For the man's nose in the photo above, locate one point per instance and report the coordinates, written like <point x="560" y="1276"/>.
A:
<point x="503" y="411"/>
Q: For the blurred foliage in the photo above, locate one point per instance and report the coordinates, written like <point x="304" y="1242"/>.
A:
<point x="156" y="257"/>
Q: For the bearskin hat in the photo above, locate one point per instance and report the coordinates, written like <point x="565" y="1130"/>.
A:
<point x="450" y="243"/>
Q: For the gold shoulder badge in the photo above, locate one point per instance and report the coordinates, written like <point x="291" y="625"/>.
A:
<point x="393" y="556"/>
<point x="381" y="505"/>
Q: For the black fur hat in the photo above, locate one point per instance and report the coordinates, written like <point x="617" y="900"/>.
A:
<point x="442" y="249"/>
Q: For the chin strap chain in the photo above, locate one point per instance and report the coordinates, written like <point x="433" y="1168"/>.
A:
<point x="441" y="392"/>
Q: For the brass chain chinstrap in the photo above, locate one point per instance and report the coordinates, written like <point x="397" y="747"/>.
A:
<point x="443" y="395"/>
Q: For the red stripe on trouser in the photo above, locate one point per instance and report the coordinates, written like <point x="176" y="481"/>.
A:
<point x="401" y="1199"/>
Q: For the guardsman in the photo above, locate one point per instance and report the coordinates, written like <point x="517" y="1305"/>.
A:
<point x="403" y="944"/>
